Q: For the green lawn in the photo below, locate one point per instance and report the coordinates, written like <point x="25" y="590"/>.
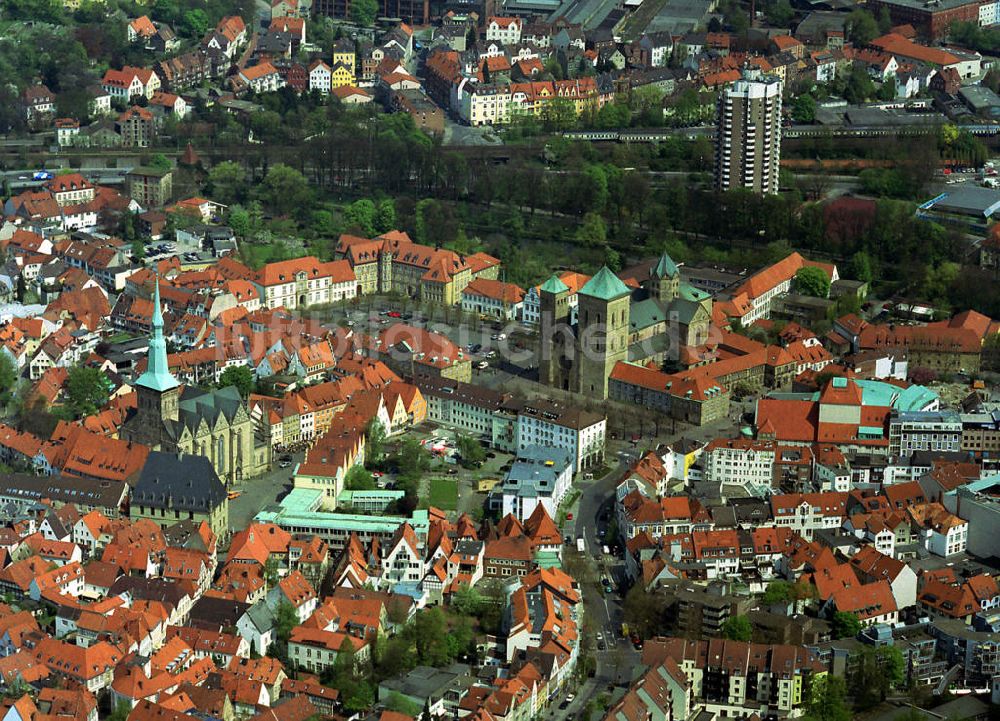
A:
<point x="444" y="494"/>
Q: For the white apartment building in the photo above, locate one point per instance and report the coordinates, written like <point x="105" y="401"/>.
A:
<point x="504" y="30"/>
<point x="911" y="431"/>
<point x="478" y="104"/>
<point x="806" y="513"/>
<point x="740" y="462"/>
<point x="320" y="77"/>
<point x="989" y="14"/>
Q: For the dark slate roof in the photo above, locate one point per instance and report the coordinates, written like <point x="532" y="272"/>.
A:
<point x="216" y="613"/>
<point x="79" y="491"/>
<point x="196" y="405"/>
<point x="148" y="589"/>
<point x="178" y="481"/>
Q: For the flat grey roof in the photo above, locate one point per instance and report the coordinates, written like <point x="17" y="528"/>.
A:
<point x="969" y="200"/>
<point x="937" y="6"/>
<point x="979" y="97"/>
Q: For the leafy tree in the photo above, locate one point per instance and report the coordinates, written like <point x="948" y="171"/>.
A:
<point x="643" y="612"/>
<point x="861" y="27"/>
<point x="779" y="13"/>
<point x="285" y="190"/>
<point x="397" y="702"/>
<point x="884" y="20"/>
<point x="737" y="628"/>
<point x="435" y="223"/>
<point x="364" y="12"/>
<point x="922" y="375"/>
<point x="827" y="700"/>
<point x="938" y="278"/>
<point x="121" y="712"/>
<point x="358" y="479"/>
<point x="86" y="390"/>
<point x="813" y="281"/>
<point x="804" y="109"/>
<point x="467" y="601"/>
<point x="226" y="182"/>
<point x="385" y="216"/>
<point x="239" y="376"/>
<point x="322" y="223"/>
<point x="160" y="162"/>
<point x="845" y="625"/>
<point x="888" y="89"/>
<point x="992" y="79"/>
<point x="356" y="693"/>
<point x="858" y="86"/>
<point x="877" y="672"/>
<point x="195" y="23"/>
<point x="613" y="115"/>
<point x="239" y="220"/>
<point x="285" y="619"/>
<point x="271" y="568"/>
<point x="361" y="214"/>
<point x="592" y="232"/>
<point x="472" y="452"/>
<point x="8" y="377"/>
<point x="411" y="461"/>
<point x="860" y="267"/>
<point x="429" y="637"/>
<point x="553" y="68"/>
<point x="374" y="442"/>
<point x="612" y="259"/>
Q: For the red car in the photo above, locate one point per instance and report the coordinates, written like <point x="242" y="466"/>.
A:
<point x="395" y="314"/>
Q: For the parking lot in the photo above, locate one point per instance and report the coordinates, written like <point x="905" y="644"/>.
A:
<point x="496" y="349"/>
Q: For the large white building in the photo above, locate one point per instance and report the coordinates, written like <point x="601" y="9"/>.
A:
<point x="748" y="145"/>
<point x="504" y="30"/>
<point x="482" y="104"/>
<point x="303" y="282"/>
<point x="911" y="431"/>
<point x="743" y="462"/>
<point x="542" y="422"/>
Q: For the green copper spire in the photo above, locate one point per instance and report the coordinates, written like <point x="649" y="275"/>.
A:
<point x="553" y="285"/>
<point x="666" y="268"/>
<point x="157" y="376"/>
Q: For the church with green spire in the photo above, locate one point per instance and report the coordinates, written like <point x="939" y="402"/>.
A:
<point x="215" y="423"/>
<point x="649" y="320"/>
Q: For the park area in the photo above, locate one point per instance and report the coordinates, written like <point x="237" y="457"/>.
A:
<point x="444" y="494"/>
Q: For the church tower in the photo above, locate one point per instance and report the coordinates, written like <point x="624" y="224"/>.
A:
<point x="157" y="391"/>
<point x="602" y="331"/>
<point x="553" y="298"/>
<point x="665" y="280"/>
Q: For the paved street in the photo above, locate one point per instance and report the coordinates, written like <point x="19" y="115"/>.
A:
<point x="257" y="493"/>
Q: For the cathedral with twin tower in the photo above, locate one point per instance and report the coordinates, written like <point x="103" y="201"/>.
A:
<point x="649" y="320"/>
